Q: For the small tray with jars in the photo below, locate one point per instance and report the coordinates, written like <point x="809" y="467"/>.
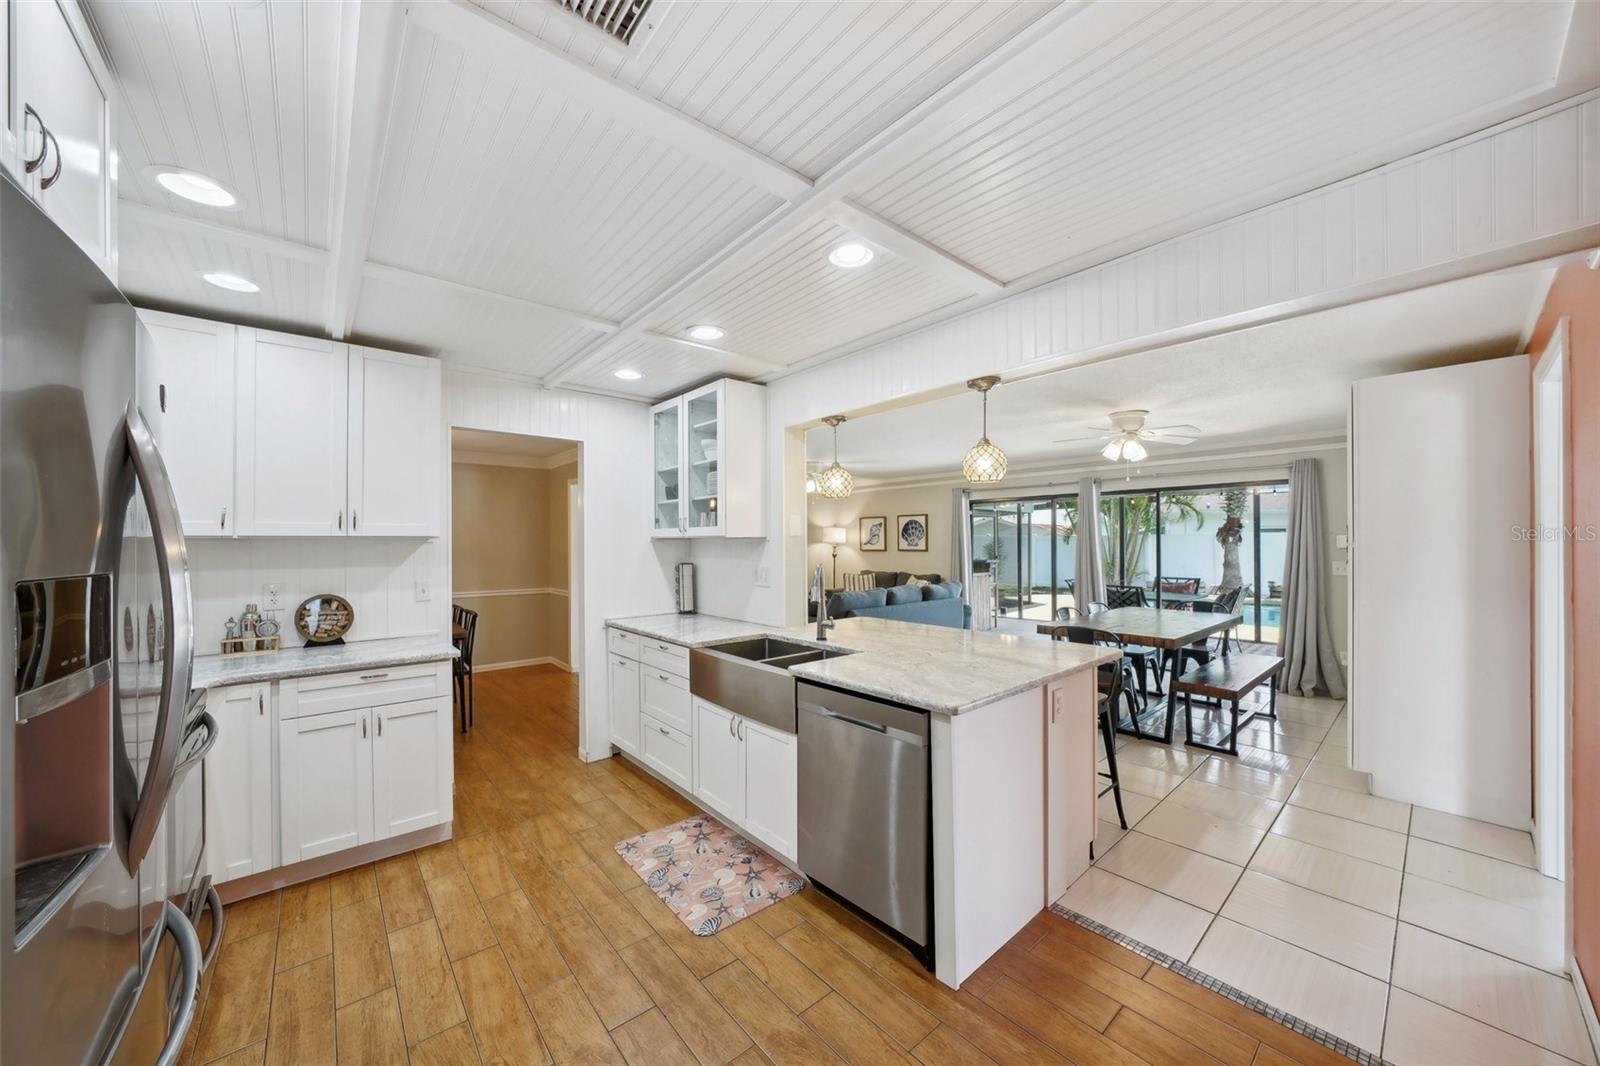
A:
<point x="251" y="634"/>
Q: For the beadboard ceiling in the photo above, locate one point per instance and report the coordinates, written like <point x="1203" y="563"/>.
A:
<point x="1283" y="381"/>
<point x="493" y="183"/>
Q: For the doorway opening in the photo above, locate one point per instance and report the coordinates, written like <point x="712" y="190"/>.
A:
<point x="1552" y="570"/>
<point x="514" y="562"/>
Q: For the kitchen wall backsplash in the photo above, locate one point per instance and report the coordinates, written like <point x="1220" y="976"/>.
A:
<point x="377" y="575"/>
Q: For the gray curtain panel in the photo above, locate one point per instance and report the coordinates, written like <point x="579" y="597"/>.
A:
<point x="1091" y="582"/>
<point x="961" y="541"/>
<point x="1310" y="662"/>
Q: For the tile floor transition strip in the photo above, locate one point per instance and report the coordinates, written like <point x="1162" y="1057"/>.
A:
<point x="1204" y="980"/>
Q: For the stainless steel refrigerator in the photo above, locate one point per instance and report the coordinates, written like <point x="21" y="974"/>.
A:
<point x="101" y="740"/>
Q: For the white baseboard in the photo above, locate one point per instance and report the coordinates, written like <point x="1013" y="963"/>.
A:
<point x="485" y="668"/>
<point x="1586" y="1006"/>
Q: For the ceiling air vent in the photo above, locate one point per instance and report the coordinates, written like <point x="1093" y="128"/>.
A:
<point x="624" y="22"/>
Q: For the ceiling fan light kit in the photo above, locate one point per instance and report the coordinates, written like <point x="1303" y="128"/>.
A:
<point x="835" y="482"/>
<point x="985" y="462"/>
<point x="1126" y="436"/>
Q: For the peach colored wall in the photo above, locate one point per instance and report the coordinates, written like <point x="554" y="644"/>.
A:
<point x="1575" y="295"/>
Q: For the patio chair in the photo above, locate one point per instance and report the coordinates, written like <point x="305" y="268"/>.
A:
<point x="1146" y="661"/>
<point x="1228" y="603"/>
<point x="1126" y="596"/>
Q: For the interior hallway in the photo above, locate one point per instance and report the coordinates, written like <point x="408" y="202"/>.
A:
<point x="526" y="940"/>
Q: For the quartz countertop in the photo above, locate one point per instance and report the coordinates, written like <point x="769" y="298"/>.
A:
<point x="219" y="671"/>
<point x="934" y="668"/>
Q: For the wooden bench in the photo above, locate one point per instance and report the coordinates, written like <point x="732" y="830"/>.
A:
<point x="1229" y="678"/>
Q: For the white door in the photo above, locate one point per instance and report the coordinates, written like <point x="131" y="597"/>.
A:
<point x="623" y="680"/>
<point x="410" y="789"/>
<point x="772" y="769"/>
<point x="291" y="435"/>
<point x="239" y="783"/>
<point x="186" y="379"/>
<point x="394" y="448"/>
<point x="57" y="77"/>
<point x="325" y="786"/>
<point x="719" y="759"/>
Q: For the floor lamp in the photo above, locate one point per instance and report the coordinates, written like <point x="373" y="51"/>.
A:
<point x="835" y="536"/>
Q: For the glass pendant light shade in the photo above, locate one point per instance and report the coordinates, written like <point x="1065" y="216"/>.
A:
<point x="985" y="462"/>
<point x="835" y="482"/>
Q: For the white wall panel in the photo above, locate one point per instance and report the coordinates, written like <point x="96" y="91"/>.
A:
<point x="1348" y="222"/>
<point x="624" y="571"/>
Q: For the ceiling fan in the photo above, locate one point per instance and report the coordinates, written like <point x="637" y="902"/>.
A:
<point x="1126" y="436"/>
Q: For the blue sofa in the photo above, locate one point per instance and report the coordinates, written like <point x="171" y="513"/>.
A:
<point x="932" y="605"/>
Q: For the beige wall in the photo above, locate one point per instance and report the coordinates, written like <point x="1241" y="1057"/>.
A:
<point x="509" y="536"/>
<point x="936" y="503"/>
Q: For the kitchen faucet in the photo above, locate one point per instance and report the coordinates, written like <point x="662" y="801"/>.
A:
<point x="823" y="622"/>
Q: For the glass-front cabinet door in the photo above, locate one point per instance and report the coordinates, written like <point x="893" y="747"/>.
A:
<point x="702" y="460"/>
<point x="667" y="465"/>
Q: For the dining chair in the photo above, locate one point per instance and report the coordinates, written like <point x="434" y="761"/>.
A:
<point x="463" y="664"/>
<point x="1228" y="603"/>
<point x="1110" y="678"/>
<point x="1146" y="660"/>
<point x="1126" y="596"/>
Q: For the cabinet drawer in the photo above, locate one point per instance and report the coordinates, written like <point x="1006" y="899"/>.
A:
<point x="301" y="696"/>
<point x="666" y="750"/>
<point x="620" y="643"/>
<point x="666" y="696"/>
<point x="673" y="658"/>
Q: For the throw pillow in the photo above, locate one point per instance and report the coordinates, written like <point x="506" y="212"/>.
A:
<point x="842" y="604"/>
<point x="936" y="592"/>
<point x="904" y="594"/>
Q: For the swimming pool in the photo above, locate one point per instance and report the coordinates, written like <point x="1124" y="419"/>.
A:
<point x="1270" y="614"/>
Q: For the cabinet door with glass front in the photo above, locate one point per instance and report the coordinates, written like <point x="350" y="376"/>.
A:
<point x="666" y="471"/>
<point x="702" y="461"/>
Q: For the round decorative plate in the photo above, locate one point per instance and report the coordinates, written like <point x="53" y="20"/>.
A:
<point x="324" y="618"/>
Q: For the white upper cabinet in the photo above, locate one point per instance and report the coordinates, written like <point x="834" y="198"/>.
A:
<point x="291" y="435"/>
<point x="59" y="122"/>
<point x="394" y="444"/>
<point x="706" y="469"/>
<point x="186" y="390"/>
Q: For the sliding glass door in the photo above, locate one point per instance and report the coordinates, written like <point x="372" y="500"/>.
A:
<point x="1171" y="547"/>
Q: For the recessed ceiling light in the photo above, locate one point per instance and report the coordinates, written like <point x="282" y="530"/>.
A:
<point x="850" y="255"/>
<point x="705" y="333"/>
<point x="232" y="282"/>
<point x="629" y="375"/>
<point x="194" y="186"/>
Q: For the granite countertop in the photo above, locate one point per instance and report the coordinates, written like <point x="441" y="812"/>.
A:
<point x="934" y="668"/>
<point x="219" y="671"/>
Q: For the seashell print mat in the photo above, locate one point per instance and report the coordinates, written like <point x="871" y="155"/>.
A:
<point x="709" y="875"/>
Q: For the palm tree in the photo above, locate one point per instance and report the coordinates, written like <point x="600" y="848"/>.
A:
<point x="1230" y="535"/>
<point x="1140" y="522"/>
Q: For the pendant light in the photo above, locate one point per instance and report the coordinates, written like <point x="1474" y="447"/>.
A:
<point x="985" y="462"/>
<point x="835" y="482"/>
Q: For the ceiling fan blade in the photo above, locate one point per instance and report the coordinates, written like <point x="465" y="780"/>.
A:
<point x="1182" y="434"/>
<point x="1081" y="440"/>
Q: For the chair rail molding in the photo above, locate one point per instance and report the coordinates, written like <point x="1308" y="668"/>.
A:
<point x="479" y="594"/>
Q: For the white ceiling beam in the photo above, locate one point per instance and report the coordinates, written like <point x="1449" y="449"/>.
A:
<point x="401" y="276"/>
<point x="684" y="342"/>
<point x="926" y="257"/>
<point x="144" y="215"/>
<point x="488" y="38"/>
<point x="369" y="53"/>
<point x="1039" y="37"/>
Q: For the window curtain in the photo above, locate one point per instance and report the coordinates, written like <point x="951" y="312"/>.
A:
<point x="1310" y="662"/>
<point x="961" y="540"/>
<point x="1091" y="580"/>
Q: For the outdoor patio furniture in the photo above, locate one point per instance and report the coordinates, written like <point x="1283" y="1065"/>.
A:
<point x="1126" y="596"/>
<point x="1228" y="603"/>
<point x="1180" y="584"/>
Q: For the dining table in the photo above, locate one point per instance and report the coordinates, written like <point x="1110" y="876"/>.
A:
<point x="1154" y="627"/>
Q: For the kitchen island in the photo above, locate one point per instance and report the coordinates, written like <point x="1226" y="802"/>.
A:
<point x="1012" y="742"/>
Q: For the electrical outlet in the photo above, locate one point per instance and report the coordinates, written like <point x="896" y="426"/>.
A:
<point x="1341" y="568"/>
<point x="763" y="578"/>
<point x="272" y="596"/>
<point x="424" y="590"/>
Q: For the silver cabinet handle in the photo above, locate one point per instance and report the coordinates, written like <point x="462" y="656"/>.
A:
<point x="663" y="677"/>
<point x="163" y="399"/>
<point x="380" y="725"/>
<point x="55" y="175"/>
<point x="30" y="165"/>
<point x="224" y="518"/>
<point x="355" y="521"/>
<point x="375" y="677"/>
<point x="730" y="725"/>
<point x="741" y="729"/>
<point x="341" y="521"/>
<point x="664" y="731"/>
<point x="363" y="729"/>
<point x="261" y="704"/>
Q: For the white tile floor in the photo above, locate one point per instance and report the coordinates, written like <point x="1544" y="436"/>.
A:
<point x="1416" y="934"/>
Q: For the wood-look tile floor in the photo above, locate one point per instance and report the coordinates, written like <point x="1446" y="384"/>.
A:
<point x="526" y="940"/>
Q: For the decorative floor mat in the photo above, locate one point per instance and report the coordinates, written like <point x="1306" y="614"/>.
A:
<point x="709" y="875"/>
<point x="1227" y="991"/>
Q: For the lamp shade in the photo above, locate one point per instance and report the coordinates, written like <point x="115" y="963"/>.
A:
<point x="834" y="534"/>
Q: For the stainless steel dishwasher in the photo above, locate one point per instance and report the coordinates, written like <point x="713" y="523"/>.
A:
<point x="865" y="818"/>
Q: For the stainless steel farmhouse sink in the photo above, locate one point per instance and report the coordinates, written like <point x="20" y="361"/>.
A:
<point x="751" y="677"/>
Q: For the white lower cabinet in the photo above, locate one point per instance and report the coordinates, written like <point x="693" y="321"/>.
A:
<point x="748" y="773"/>
<point x="410" y="789"/>
<point x="239" y="796"/>
<point x="719" y="769"/>
<point x="325" y="795"/>
<point x="772" y="797"/>
<point x="668" y="751"/>
<point x="623" y="685"/>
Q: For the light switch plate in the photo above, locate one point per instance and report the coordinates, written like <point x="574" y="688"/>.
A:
<point x="424" y="590"/>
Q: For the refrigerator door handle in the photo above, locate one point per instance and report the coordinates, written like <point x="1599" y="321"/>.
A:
<point x="218" y="920"/>
<point x="177" y="659"/>
<point x="189" y="954"/>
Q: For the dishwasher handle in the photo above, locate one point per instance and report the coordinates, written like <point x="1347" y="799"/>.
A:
<point x="885" y="719"/>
